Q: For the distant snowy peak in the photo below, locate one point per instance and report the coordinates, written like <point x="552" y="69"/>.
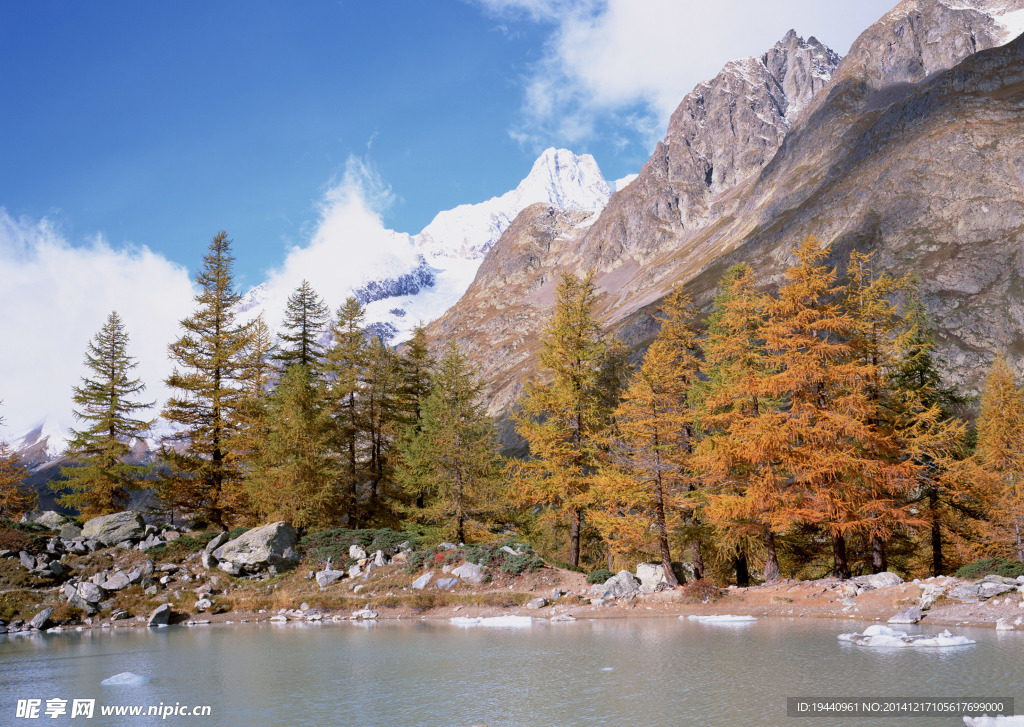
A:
<point x="558" y="177"/>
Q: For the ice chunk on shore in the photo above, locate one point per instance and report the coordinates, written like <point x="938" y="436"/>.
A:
<point x="883" y="636"/>
<point x="492" y="621"/>
<point x="125" y="679"/>
<point x="999" y="720"/>
<point x="721" y="619"/>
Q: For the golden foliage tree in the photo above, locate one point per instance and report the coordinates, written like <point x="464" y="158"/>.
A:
<point x="562" y="420"/>
<point x="1000" y="451"/>
<point x="641" y="492"/>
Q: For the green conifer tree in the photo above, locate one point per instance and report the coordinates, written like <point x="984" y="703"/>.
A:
<point x="295" y="476"/>
<point x="101" y="480"/>
<point x="305" y="320"/>
<point x="454" y="454"/>
<point x="203" y="481"/>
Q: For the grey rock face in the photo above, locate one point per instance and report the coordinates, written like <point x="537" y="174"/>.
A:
<point x="325" y="578"/>
<point x="42" y="619"/>
<point x="878" y="580"/>
<point x="160" y="616"/>
<point x="269" y="546"/>
<point x="115" y="528"/>
<point x="421" y="582"/>
<point x="621" y="585"/>
<point x="651" y="576"/>
<point x="909" y="615"/>
<point x="471" y="573"/>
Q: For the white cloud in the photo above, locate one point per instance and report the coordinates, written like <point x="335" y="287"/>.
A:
<point x="350" y="244"/>
<point x="628" y="63"/>
<point x="56" y="296"/>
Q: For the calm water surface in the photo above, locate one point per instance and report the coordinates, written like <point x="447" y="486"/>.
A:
<point x="643" y="672"/>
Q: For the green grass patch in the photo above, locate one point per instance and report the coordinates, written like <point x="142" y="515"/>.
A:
<point x="991" y="566"/>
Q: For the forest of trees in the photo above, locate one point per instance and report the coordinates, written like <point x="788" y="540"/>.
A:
<point x="802" y="432"/>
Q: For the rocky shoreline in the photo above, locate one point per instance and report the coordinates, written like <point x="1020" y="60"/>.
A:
<point x="117" y="571"/>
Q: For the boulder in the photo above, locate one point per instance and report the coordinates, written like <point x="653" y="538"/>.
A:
<point x="536" y="603"/>
<point x="70" y="531"/>
<point x="379" y="559"/>
<point x="90" y="592"/>
<point x="115" y="528"/>
<point x="402" y="557"/>
<point x="620" y="585"/>
<point x="203" y="604"/>
<point x="364" y="614"/>
<point x="355" y="571"/>
<point x="27" y="560"/>
<point x="152" y="540"/>
<point x="218" y="540"/>
<point x="447" y="546"/>
<point x="160" y="616"/>
<point x="421" y="582"/>
<point x="878" y="580"/>
<point x="909" y="615"/>
<point x="270" y="547"/>
<point x="49" y="519"/>
<point x="471" y="573"/>
<point x="356" y="552"/>
<point x="651" y="576"/>
<point x="444" y="584"/>
<point x="117" y="581"/>
<point x="42" y="619"/>
<point x="988" y="589"/>
<point x="325" y="578"/>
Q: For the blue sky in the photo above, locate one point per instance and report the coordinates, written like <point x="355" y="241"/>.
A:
<point x="159" y="124"/>
<point x="132" y="132"/>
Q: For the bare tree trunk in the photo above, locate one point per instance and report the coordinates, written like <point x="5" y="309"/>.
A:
<point x="1020" y="548"/>
<point x="771" y="562"/>
<point x="742" y="571"/>
<point x="666" y="555"/>
<point x="879" y="561"/>
<point x="698" y="560"/>
<point x="938" y="567"/>
<point x="574" y="537"/>
<point x="840" y="568"/>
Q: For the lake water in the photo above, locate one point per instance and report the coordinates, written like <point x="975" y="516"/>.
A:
<point x="639" y="672"/>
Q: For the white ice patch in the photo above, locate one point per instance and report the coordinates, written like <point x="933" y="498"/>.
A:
<point x="125" y="679"/>
<point x="885" y="637"/>
<point x="1013" y="24"/>
<point x="996" y="721"/>
<point x="721" y="619"/>
<point x="493" y="621"/>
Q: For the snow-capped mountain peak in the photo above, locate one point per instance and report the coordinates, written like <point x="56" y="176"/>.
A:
<point x="558" y="177"/>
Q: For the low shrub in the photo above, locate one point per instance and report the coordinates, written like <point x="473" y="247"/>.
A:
<point x="17" y="540"/>
<point x="334" y="544"/>
<point x="700" y="591"/>
<point x="599" y="576"/>
<point x="991" y="566"/>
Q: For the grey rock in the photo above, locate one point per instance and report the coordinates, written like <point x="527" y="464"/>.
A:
<point x="262" y="548"/>
<point x="47" y="518"/>
<point x="117" y="581"/>
<point x="170" y="535"/>
<point x="379" y="559"/>
<point x="536" y="603"/>
<point x="621" y="585"/>
<point x="356" y="552"/>
<point x="1012" y="582"/>
<point x="42" y="619"/>
<point x="56" y="569"/>
<point x="218" y="540"/>
<point x="988" y="589"/>
<point x="421" y="582"/>
<point x="119" y="615"/>
<point x="151" y="541"/>
<point x="878" y="580"/>
<point x="325" y="578"/>
<point x="909" y="615"/>
<point x="207" y="559"/>
<point x="445" y="584"/>
<point x="965" y="591"/>
<point x="511" y="551"/>
<point x="116" y="528"/>
<point x="77" y="547"/>
<point x="160" y="616"/>
<point x="27" y="561"/>
<point x="651" y="576"/>
<point x="151" y="590"/>
<point x="355" y="571"/>
<point x="106" y="605"/>
<point x="90" y="592"/>
<point x="471" y="573"/>
<point x="203" y="604"/>
<point x="365" y="613"/>
<point x="447" y="546"/>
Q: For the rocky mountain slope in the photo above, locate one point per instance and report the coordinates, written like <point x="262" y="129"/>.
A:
<point x="911" y="146"/>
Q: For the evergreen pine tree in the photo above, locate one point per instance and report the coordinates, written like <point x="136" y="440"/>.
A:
<point x="295" y="475"/>
<point x="257" y="377"/>
<point x="347" y="361"/>
<point x="305" y="320"/>
<point x="453" y="456"/>
<point x="203" y="480"/>
<point x="382" y="418"/>
<point x="562" y="420"/>
<point x="415" y="367"/>
<point x="101" y="481"/>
